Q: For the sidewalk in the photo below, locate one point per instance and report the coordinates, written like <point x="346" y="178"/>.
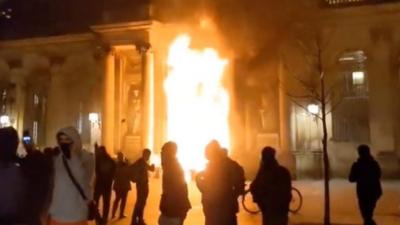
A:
<point x="344" y="205"/>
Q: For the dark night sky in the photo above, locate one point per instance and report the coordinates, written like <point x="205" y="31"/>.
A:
<point x="32" y="18"/>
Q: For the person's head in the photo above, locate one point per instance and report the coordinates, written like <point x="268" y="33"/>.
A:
<point x="102" y="150"/>
<point x="213" y="150"/>
<point x="224" y="152"/>
<point x="120" y="157"/>
<point x="268" y="156"/>
<point x="168" y="152"/>
<point x="69" y="141"/>
<point x="364" y="151"/>
<point x="146" y="154"/>
<point x="8" y="144"/>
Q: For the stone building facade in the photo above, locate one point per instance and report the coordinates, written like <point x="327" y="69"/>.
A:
<point x="108" y="82"/>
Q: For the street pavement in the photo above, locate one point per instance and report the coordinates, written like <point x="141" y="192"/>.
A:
<point x="343" y="196"/>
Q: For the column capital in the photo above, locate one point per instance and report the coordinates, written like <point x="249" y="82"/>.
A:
<point x="103" y="50"/>
<point x="142" y="47"/>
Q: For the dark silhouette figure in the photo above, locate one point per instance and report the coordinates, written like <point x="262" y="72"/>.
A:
<point x="38" y="170"/>
<point x="237" y="179"/>
<point x="140" y="170"/>
<point x="271" y="189"/>
<point x="122" y="185"/>
<point x="105" y="170"/>
<point x="366" y="173"/>
<point x="174" y="203"/>
<point x="13" y="188"/>
<point x="217" y="186"/>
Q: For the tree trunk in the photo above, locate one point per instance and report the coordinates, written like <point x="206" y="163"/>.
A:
<point x="327" y="216"/>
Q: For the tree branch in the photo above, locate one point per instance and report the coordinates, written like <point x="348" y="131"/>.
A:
<point x="305" y="108"/>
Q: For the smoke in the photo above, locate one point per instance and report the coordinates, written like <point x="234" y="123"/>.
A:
<point x="248" y="27"/>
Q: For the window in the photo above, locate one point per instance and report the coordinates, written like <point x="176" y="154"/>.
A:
<point x="342" y="3"/>
<point x="352" y="125"/>
<point x="358" y="78"/>
<point x="354" y="73"/>
<point x="35" y="131"/>
<point x="36" y="100"/>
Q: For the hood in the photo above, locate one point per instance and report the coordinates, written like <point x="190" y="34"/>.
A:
<point x="72" y="133"/>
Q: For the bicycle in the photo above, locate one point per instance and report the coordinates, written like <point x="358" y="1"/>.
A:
<point x="295" y="204"/>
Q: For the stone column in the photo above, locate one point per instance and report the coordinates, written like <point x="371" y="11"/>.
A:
<point x="108" y="114"/>
<point x="148" y="96"/>
<point x="18" y="79"/>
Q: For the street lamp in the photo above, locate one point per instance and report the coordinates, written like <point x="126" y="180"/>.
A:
<point x="4" y="120"/>
<point x="94" y="118"/>
<point x="313" y="109"/>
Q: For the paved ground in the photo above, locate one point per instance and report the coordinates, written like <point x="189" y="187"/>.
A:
<point x="344" y="205"/>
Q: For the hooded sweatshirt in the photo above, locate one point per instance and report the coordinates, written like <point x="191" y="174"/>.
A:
<point x="67" y="204"/>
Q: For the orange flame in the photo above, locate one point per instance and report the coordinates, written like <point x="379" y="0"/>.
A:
<point x="197" y="103"/>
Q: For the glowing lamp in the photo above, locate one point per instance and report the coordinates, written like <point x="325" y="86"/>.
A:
<point x="358" y="77"/>
<point x="4" y="120"/>
<point x="313" y="109"/>
<point x="94" y="117"/>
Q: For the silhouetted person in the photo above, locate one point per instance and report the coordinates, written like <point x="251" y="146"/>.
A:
<point x="68" y="205"/>
<point x="122" y="185"/>
<point x="13" y="188"/>
<point x="271" y="189"/>
<point x="140" y="169"/>
<point x="217" y="188"/>
<point x="174" y="203"/>
<point x="237" y="177"/>
<point x="38" y="169"/>
<point x="105" y="171"/>
<point x="366" y="173"/>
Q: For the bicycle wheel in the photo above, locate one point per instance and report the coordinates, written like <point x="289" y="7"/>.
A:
<point x="248" y="204"/>
<point x="297" y="201"/>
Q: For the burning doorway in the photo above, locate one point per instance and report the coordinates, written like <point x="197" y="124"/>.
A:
<point x="198" y="100"/>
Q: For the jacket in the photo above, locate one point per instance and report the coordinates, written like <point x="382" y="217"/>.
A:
<point x="67" y="204"/>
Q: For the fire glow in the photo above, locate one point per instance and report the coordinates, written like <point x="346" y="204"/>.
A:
<point x="197" y="102"/>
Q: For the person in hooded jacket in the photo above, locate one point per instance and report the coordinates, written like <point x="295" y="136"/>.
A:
<point x="271" y="189"/>
<point x="174" y="203"/>
<point x="217" y="187"/>
<point x="68" y="207"/>
<point x="366" y="172"/>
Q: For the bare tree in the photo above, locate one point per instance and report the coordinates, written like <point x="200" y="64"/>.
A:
<point x="315" y="87"/>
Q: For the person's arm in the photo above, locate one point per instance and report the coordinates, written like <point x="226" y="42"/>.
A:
<point x="151" y="167"/>
<point x="353" y="177"/>
<point x="89" y="166"/>
<point x="200" y="181"/>
<point x="378" y="171"/>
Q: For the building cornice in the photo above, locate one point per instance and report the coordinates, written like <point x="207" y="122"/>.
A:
<point x="124" y="27"/>
<point x="32" y="42"/>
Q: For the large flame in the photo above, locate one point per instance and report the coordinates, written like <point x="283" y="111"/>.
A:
<point x="197" y="102"/>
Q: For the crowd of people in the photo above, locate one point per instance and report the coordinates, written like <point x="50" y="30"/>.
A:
<point x="64" y="185"/>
